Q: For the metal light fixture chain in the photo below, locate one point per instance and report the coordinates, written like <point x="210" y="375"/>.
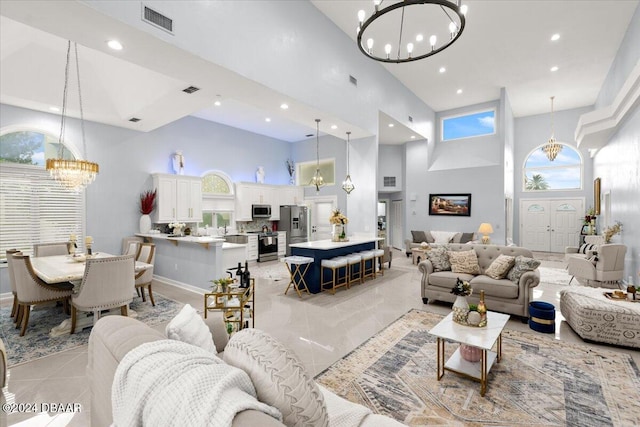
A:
<point x="84" y="141"/>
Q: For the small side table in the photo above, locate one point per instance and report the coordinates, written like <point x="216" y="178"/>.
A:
<point x="297" y="266"/>
<point x="418" y="255"/>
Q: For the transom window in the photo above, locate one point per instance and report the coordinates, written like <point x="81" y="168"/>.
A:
<point x="468" y="125"/>
<point x="306" y="171"/>
<point x="564" y="173"/>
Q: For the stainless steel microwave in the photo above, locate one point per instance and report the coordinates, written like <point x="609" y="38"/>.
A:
<point x="261" y="211"/>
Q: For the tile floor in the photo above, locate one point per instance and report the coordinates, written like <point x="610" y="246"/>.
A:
<point x="320" y="328"/>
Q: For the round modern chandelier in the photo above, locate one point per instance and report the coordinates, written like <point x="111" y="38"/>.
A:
<point x="409" y="30"/>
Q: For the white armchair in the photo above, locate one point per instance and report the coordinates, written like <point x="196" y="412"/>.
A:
<point x="107" y="283"/>
<point x="575" y="251"/>
<point x="604" y="269"/>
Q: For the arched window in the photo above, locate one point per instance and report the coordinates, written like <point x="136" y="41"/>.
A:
<point x="33" y="207"/>
<point x="564" y="173"/>
<point x="218" y="202"/>
<point x="216" y="183"/>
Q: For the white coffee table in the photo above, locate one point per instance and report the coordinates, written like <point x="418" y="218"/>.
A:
<point x="484" y="338"/>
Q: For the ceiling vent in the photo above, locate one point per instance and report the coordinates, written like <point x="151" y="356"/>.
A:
<point x="134" y="119"/>
<point x="410" y="119"/>
<point x="353" y="80"/>
<point x="191" y="89"/>
<point x="309" y="135"/>
<point x="389" y="181"/>
<point x="157" y="19"/>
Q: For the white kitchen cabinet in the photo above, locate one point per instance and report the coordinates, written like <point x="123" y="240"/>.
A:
<point x="282" y="243"/>
<point x="252" y="248"/>
<point x="179" y="198"/>
<point x="291" y="195"/>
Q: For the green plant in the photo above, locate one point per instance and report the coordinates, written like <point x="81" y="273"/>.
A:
<point x="473" y="307"/>
<point x="147" y="202"/>
<point x="224" y="281"/>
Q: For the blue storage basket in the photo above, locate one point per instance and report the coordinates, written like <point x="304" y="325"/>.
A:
<point x="542" y="317"/>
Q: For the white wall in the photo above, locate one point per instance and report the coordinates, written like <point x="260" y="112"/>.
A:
<point x="390" y="164"/>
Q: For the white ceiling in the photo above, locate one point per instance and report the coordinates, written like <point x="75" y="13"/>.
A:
<point x="505" y="44"/>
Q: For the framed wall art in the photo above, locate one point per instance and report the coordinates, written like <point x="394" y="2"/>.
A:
<point x="450" y="204"/>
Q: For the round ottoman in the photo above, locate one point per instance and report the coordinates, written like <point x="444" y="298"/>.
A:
<point x="542" y="317"/>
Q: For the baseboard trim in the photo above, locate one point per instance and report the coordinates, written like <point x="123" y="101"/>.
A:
<point x="181" y="285"/>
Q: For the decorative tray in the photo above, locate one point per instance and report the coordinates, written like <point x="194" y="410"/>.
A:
<point x="612" y="296"/>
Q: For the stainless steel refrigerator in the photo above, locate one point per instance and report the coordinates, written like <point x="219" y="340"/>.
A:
<point x="294" y="220"/>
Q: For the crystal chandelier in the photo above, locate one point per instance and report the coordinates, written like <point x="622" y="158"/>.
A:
<point x="347" y="184"/>
<point x="552" y="148"/>
<point x="72" y="174"/>
<point x="413" y="27"/>
<point x="317" y="180"/>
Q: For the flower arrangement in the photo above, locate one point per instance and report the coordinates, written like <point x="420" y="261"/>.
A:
<point x="611" y="231"/>
<point x="462" y="288"/>
<point x="147" y="202"/>
<point x="223" y="283"/>
<point x="338" y="218"/>
<point x="177" y="226"/>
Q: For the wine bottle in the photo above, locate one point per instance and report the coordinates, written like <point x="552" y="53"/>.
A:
<point x="482" y="309"/>
<point x="239" y="273"/>
<point x="246" y="276"/>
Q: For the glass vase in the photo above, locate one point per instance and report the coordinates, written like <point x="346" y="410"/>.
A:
<point x="460" y="309"/>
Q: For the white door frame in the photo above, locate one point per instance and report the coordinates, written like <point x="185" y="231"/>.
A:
<point x="310" y="202"/>
<point x="396" y="224"/>
<point x="551" y="224"/>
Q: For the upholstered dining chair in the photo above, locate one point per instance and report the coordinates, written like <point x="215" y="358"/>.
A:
<point x="50" y="249"/>
<point x="107" y="283"/>
<point x="31" y="290"/>
<point x="131" y="245"/>
<point x="146" y="253"/>
<point x="12" y="281"/>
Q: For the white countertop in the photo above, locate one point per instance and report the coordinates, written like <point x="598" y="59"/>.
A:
<point x="186" y="239"/>
<point x="324" y="245"/>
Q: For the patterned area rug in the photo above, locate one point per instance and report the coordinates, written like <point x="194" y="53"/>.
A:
<point x="38" y="343"/>
<point x="555" y="276"/>
<point x="539" y="382"/>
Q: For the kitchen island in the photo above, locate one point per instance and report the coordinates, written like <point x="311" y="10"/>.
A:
<point x="326" y="249"/>
<point x="193" y="261"/>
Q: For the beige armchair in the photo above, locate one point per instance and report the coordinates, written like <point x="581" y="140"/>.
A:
<point x="51" y="249"/>
<point x="31" y="290"/>
<point x="603" y="269"/>
<point x="107" y="283"/>
<point x="574" y="251"/>
<point x="146" y="253"/>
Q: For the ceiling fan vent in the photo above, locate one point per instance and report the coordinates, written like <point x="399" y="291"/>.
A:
<point x="191" y="89"/>
<point x="353" y="80"/>
<point x="157" y="19"/>
<point x="134" y="119"/>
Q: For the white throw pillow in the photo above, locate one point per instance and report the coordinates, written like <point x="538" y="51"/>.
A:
<point x="190" y="328"/>
<point x="279" y="377"/>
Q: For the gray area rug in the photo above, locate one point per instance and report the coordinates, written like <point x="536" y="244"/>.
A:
<point x="37" y="343"/>
<point x="539" y="382"/>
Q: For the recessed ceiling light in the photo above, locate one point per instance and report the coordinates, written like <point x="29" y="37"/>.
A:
<point x="284" y="106"/>
<point x="459" y="91"/>
<point x="268" y="119"/>
<point x="334" y="127"/>
<point x="554" y="68"/>
<point x="442" y="69"/>
<point x="413" y="137"/>
<point x="217" y="103"/>
<point x="555" y="37"/>
<point x="56" y="109"/>
<point x="114" y="44"/>
<point x="390" y="125"/>
<point x="419" y="37"/>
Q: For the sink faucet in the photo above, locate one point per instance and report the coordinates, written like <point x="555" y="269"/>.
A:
<point x="225" y="229"/>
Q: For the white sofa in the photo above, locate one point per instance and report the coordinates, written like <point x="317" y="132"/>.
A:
<point x="455" y="237"/>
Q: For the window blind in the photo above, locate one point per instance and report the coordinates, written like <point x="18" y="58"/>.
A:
<point x="36" y="209"/>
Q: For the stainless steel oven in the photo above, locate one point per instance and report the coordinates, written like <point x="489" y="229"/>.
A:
<point x="267" y="247"/>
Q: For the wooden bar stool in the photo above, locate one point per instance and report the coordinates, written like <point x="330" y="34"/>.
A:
<point x="368" y="269"/>
<point x="379" y="256"/>
<point x="297" y="266"/>
<point x="333" y="264"/>
<point x="354" y="260"/>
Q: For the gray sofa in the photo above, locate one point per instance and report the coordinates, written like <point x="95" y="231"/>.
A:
<point x="501" y="295"/>
<point x="114" y="336"/>
<point x="415" y="241"/>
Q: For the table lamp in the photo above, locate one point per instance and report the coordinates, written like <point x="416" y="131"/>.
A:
<point x="485" y="229"/>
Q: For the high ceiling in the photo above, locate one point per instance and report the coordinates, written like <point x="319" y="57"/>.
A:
<point x="505" y="44"/>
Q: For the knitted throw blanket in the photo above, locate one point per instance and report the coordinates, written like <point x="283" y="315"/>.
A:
<point x="171" y="383"/>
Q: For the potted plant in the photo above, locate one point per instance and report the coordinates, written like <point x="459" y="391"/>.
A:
<point x="147" y="205"/>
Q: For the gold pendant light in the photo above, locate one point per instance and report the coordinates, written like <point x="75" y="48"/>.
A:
<point x="552" y="148"/>
<point x="73" y="174"/>
<point x="347" y="184"/>
<point x="317" y="180"/>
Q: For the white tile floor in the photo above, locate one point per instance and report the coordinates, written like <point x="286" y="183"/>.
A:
<point x="320" y="328"/>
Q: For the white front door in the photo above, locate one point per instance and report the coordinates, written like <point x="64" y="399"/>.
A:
<point x="320" y="210"/>
<point x="396" y="224"/>
<point x="550" y="225"/>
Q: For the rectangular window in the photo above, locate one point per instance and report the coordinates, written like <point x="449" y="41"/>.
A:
<point x="307" y="170"/>
<point x="36" y="209"/>
<point x="468" y="125"/>
<point x="216" y="219"/>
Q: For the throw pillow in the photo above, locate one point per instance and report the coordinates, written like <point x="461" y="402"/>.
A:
<point x="439" y="258"/>
<point x="464" y="262"/>
<point x="189" y="327"/>
<point x="279" y="377"/>
<point x="466" y="237"/>
<point x="500" y="267"/>
<point x="521" y="266"/>
<point x="418" y="236"/>
<point x="586" y="247"/>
